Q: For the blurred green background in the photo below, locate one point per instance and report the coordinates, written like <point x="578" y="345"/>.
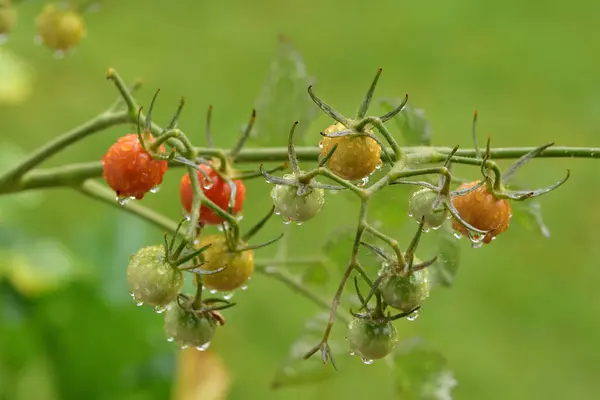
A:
<point x="521" y="321"/>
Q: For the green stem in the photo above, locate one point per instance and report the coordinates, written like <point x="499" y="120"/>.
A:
<point x="323" y="171"/>
<point x="125" y="92"/>
<point x="393" y="243"/>
<point x="60" y="143"/>
<point x="97" y="191"/>
<point x="353" y="264"/>
<point x="74" y="174"/>
<point x="298" y="287"/>
<point x="197" y="197"/>
<point x="197" y="305"/>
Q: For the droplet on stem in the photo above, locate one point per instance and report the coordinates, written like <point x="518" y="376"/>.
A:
<point x="122" y="200"/>
<point x="204" y="347"/>
<point x="413" y="316"/>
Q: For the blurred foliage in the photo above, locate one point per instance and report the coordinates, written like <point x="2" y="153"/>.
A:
<point x="522" y="310"/>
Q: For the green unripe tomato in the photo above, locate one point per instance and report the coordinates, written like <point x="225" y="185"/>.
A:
<point x="188" y="329"/>
<point x="152" y="280"/>
<point x="297" y="208"/>
<point x="8" y="18"/>
<point x="420" y="205"/>
<point x="372" y="339"/>
<point x="60" y="28"/>
<point x="404" y="293"/>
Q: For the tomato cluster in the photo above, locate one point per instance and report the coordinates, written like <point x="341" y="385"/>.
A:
<point x="215" y="193"/>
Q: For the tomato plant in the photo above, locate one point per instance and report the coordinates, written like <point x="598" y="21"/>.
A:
<point x="357" y="155"/>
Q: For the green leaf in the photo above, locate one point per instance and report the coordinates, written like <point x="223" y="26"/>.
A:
<point x="389" y="207"/>
<point x="284" y="98"/>
<point x="445" y="267"/>
<point x="338" y="247"/>
<point x="315" y="274"/>
<point x="528" y="213"/>
<point x="421" y="373"/>
<point x="413" y="124"/>
<point x="297" y="371"/>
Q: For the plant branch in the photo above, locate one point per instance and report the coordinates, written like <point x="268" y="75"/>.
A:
<point x="19" y="179"/>
<point x="97" y="191"/>
<point x="60" y="143"/>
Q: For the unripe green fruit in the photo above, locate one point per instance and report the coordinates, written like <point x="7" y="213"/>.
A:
<point x="152" y="280"/>
<point x="404" y="293"/>
<point x="60" y="28"/>
<point x="297" y="208"/>
<point x="372" y="339"/>
<point x="421" y="205"/>
<point x="187" y="328"/>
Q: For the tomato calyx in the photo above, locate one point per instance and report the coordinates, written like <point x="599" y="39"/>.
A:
<point x="209" y="308"/>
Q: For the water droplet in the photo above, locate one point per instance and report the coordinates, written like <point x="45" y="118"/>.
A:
<point x="183" y="346"/>
<point x="244" y="287"/>
<point x="170" y="339"/>
<point x="476" y="240"/>
<point x="426" y="230"/>
<point x="37" y="39"/>
<point x="457" y="235"/>
<point x="351" y="352"/>
<point x="139" y="303"/>
<point x="286" y="220"/>
<point x="188" y="217"/>
<point x="366" y="361"/>
<point x="413" y="316"/>
<point x="228" y="295"/>
<point x="132" y="294"/>
<point x="299" y="223"/>
<point x="476" y="245"/>
<point x="160" y="309"/>
<point x="155" y="189"/>
<point x="3" y="38"/>
<point x="239" y="217"/>
<point x="363" y="181"/>
<point x="320" y="144"/>
<point x="277" y="212"/>
<point x="207" y="184"/>
<point x="204" y="347"/>
<point x="212" y="291"/>
<point x="379" y="164"/>
<point x="123" y="200"/>
<point x="59" y="54"/>
<point x="410" y="214"/>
